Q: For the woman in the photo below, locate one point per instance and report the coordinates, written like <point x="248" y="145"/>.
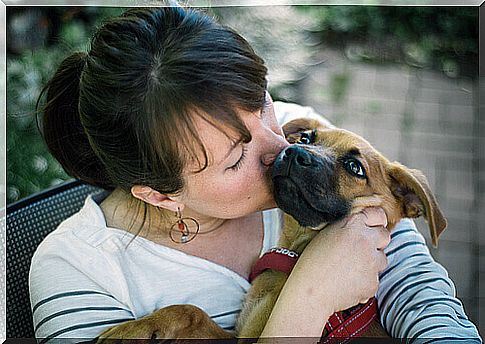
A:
<point x="169" y="111"/>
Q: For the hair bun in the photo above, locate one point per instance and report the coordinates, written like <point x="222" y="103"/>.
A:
<point x="62" y="129"/>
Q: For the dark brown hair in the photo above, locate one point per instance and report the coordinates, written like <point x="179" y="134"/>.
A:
<point x="121" y="114"/>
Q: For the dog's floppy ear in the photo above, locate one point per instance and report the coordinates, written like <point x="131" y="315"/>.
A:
<point x="411" y="189"/>
<point x="300" y="125"/>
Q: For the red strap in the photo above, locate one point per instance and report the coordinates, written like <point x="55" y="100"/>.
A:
<point x="353" y="326"/>
<point x="342" y="325"/>
<point x="280" y="259"/>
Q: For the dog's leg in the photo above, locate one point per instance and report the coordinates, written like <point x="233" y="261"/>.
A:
<point x="259" y="303"/>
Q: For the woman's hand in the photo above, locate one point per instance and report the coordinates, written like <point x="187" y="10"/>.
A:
<point x="337" y="270"/>
<point x="346" y="258"/>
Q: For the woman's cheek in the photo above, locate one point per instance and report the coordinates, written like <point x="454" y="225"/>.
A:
<point x="255" y="181"/>
<point x="241" y="184"/>
<point x="229" y="187"/>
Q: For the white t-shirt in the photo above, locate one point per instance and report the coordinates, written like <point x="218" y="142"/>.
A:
<point x="86" y="277"/>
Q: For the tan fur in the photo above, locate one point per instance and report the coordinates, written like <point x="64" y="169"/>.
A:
<point x="400" y="191"/>
<point x="177" y="321"/>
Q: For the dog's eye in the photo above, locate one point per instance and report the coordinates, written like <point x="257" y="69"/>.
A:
<point x="354" y="167"/>
<point x="307" y="137"/>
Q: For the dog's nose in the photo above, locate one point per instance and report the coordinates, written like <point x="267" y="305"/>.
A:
<point x="293" y="158"/>
<point x="298" y="155"/>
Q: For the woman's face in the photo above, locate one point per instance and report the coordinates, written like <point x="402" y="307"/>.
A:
<point x="237" y="179"/>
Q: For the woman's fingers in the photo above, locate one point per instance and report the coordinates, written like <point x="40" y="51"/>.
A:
<point x="383" y="237"/>
<point x="381" y="260"/>
<point x="375" y="217"/>
<point x="375" y="220"/>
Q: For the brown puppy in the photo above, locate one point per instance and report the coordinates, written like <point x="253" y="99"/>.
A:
<point x="331" y="174"/>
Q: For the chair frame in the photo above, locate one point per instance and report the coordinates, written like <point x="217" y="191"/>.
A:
<point x="17" y="283"/>
<point x="41" y="195"/>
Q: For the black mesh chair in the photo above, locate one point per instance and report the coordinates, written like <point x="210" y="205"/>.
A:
<point x="28" y="222"/>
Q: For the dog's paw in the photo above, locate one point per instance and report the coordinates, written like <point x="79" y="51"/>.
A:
<point x="172" y="322"/>
<point x="131" y="332"/>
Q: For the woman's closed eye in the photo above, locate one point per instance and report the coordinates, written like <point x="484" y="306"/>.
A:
<point x="240" y="161"/>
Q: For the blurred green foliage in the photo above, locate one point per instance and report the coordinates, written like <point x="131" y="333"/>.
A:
<point x="30" y="167"/>
<point x="445" y="38"/>
<point x="339" y="85"/>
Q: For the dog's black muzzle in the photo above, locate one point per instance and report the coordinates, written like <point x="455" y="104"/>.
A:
<point x="305" y="185"/>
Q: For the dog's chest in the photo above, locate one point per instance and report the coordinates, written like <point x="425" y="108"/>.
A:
<point x="294" y="236"/>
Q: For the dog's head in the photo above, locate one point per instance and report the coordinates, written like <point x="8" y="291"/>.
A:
<point x="329" y="171"/>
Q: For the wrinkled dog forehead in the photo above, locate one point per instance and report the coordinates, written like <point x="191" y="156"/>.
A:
<point x="342" y="141"/>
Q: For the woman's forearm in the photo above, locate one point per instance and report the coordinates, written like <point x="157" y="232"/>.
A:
<point x="300" y="311"/>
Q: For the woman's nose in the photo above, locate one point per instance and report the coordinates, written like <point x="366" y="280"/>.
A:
<point x="272" y="146"/>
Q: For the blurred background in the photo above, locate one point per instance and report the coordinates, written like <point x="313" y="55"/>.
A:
<point x="406" y="78"/>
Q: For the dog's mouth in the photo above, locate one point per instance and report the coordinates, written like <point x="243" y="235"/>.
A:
<point x="304" y="186"/>
<point x="309" y="213"/>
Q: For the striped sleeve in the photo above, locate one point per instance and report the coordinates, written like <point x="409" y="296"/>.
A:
<point x="416" y="297"/>
<point x="67" y="305"/>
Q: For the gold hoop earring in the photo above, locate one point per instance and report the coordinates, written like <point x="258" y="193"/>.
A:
<point x="180" y="228"/>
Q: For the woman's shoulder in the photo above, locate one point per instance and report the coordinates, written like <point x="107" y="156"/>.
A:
<point x="82" y="251"/>
<point x="83" y="231"/>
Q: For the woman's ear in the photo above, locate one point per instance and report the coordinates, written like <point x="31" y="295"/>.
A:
<point x="155" y="198"/>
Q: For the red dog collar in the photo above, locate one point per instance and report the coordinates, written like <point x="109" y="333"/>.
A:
<point x="279" y="259"/>
<point x="344" y="325"/>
